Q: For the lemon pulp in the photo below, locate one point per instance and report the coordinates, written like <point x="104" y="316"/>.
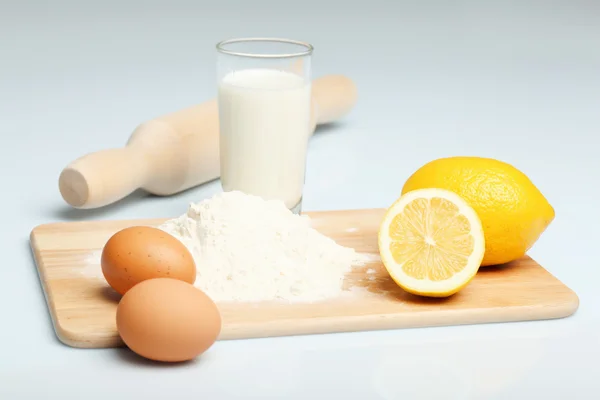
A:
<point x="431" y="242"/>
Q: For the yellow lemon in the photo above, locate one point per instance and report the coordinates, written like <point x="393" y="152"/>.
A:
<point x="431" y="242"/>
<point x="514" y="213"/>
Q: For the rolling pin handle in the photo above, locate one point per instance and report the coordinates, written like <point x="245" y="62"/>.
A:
<point x="333" y="97"/>
<point x="100" y="178"/>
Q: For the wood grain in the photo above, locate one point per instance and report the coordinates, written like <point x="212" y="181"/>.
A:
<point x="83" y="306"/>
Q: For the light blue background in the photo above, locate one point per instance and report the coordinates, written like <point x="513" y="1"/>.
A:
<point x="514" y="80"/>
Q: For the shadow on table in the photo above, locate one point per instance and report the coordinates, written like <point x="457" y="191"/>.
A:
<point x="124" y="354"/>
<point x="66" y="212"/>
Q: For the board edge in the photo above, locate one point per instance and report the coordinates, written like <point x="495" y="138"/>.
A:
<point x="51" y="308"/>
<point x="573" y="298"/>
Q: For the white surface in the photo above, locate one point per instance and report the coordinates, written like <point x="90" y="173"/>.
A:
<point x="264" y="118"/>
<point x="514" y="80"/>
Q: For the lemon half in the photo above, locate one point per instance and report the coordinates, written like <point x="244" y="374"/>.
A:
<point x="431" y="242"/>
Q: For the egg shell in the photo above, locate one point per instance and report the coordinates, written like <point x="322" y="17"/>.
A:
<point x="138" y="253"/>
<point x="168" y="320"/>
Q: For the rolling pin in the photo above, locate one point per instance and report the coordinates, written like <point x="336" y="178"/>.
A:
<point x="177" y="151"/>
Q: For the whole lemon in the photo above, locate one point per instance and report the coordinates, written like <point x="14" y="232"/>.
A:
<point x="514" y="213"/>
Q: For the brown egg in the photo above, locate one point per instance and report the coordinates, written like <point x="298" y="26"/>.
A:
<point x="168" y="320"/>
<point x="138" y="253"/>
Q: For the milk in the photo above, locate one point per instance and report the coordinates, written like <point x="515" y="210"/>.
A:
<point x="264" y="117"/>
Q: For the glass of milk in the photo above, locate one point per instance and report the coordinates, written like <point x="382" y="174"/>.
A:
<point x="264" y="97"/>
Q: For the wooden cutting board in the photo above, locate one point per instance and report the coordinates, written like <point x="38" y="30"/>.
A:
<point x="83" y="306"/>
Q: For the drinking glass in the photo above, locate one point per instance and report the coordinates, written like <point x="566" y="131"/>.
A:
<point x="264" y="101"/>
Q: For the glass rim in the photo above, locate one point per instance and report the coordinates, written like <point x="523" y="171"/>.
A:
<point x="221" y="47"/>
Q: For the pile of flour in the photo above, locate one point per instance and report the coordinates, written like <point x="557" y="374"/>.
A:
<point x="248" y="249"/>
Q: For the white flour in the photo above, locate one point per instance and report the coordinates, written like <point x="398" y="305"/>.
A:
<point x="248" y="249"/>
